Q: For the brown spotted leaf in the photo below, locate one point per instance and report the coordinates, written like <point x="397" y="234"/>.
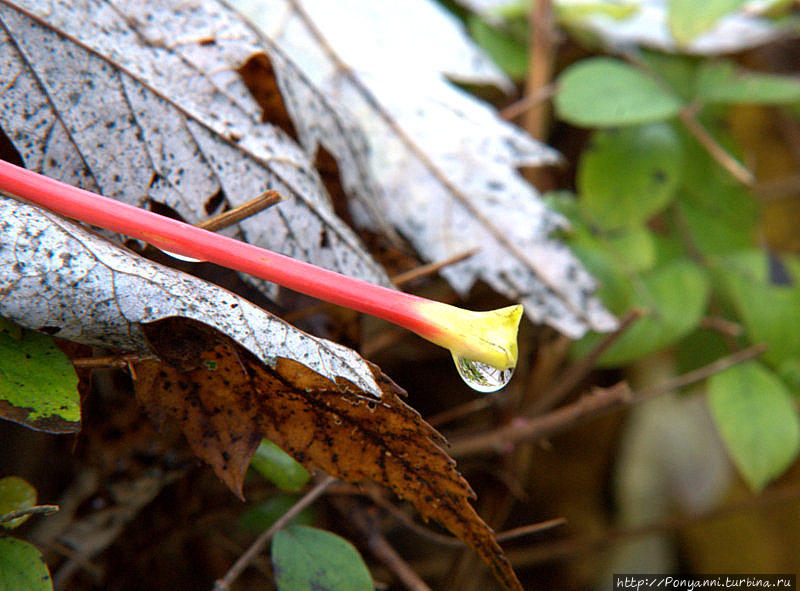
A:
<point x="226" y="401"/>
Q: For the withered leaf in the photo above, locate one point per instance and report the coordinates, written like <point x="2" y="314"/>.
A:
<point x="447" y="164"/>
<point x="142" y="102"/>
<point x="226" y="401"/>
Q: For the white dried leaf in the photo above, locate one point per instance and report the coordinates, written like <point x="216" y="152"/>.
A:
<point x="446" y="162"/>
<point x="646" y="25"/>
<point x="59" y="277"/>
<point x="142" y="101"/>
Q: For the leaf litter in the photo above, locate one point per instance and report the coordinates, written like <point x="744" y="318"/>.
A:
<point x="144" y="102"/>
<point x="230" y="373"/>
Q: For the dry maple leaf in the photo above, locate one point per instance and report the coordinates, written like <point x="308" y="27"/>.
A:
<point x="446" y="162"/>
<point x="239" y="376"/>
<point x="142" y="102"/>
<point x="226" y="401"/>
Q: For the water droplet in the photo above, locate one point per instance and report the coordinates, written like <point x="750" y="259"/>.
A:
<point x="482" y="377"/>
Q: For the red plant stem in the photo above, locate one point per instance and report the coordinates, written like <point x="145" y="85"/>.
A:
<point x="176" y="236"/>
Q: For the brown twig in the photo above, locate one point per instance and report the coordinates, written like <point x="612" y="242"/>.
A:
<point x="722" y="326"/>
<point x="237" y="214"/>
<point x="739" y="171"/>
<point x="527" y="530"/>
<point x="112" y="362"/>
<point x="35" y="510"/>
<point x="529" y="101"/>
<point x="431" y="268"/>
<point x="598" y="402"/>
<point x="577" y="372"/>
<point x="540" y="65"/>
<point x="367" y="526"/>
<point x="260" y="542"/>
<point x="462" y="410"/>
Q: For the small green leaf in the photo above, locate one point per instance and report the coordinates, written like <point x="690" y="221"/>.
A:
<point x="22" y="567"/>
<point x="305" y="559"/>
<point x="723" y="82"/>
<point x="280" y="468"/>
<point x="15" y="494"/>
<point x="627" y="175"/>
<point x="38" y="384"/>
<point x="604" y="92"/>
<point x="675" y="296"/>
<point x="769" y="310"/>
<point x="508" y="52"/>
<point x="756" y="417"/>
<point x="263" y="515"/>
<point x="688" y="18"/>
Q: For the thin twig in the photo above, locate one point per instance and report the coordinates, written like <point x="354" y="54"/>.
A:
<point x="237" y="214"/>
<point x="431" y="268"/>
<point x="260" y="542"/>
<point x="35" y="510"/>
<point x="540" y="65"/>
<point x="379" y="546"/>
<point x="598" y="402"/>
<point x="462" y="410"/>
<point x="113" y="362"/>
<point x="722" y="326"/>
<point x="738" y="170"/>
<point x="577" y="372"/>
<point x="529" y="101"/>
<point x="527" y="530"/>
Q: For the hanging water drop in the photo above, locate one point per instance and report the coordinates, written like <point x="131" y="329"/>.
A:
<point x="482" y="377"/>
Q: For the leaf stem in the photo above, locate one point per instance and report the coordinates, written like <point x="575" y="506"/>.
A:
<point x="488" y="337"/>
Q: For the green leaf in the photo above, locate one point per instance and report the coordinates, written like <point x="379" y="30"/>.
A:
<point x="15" y="330"/>
<point x="675" y="296"/>
<point x="724" y="82"/>
<point x="756" y="417"/>
<point x="605" y="92"/>
<point x="508" y="52"/>
<point x="627" y="175"/>
<point x="689" y="18"/>
<point x="38" y="384"/>
<point x="22" y="567"/>
<point x="280" y="468"/>
<point x="15" y="494"/>
<point x="678" y="71"/>
<point x="263" y="515"/>
<point x="305" y="559"/>
<point x="768" y="310"/>
<point x="575" y="12"/>
<point x="719" y="227"/>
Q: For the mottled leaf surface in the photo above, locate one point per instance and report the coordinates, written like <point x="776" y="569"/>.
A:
<point x="225" y="401"/>
<point x="38" y="385"/>
<point x="143" y="102"/>
<point x="62" y="279"/>
<point x="446" y="162"/>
